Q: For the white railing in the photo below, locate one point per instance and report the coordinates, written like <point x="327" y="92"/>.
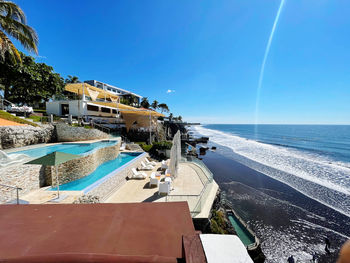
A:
<point x="13" y="188"/>
<point x="195" y="202"/>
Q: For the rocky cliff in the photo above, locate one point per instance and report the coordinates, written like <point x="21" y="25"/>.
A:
<point x="66" y="133"/>
<point x="18" y="136"/>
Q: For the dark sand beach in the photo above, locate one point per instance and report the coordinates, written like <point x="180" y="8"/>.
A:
<point x="286" y="221"/>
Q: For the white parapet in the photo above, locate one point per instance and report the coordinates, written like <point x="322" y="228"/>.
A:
<point x="224" y="249"/>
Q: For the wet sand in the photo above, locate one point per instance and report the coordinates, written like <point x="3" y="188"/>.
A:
<point x="286" y="221"/>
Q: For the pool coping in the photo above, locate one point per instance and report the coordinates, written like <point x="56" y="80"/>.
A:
<point x="32" y="147"/>
<point x="254" y="245"/>
<point x="114" y="172"/>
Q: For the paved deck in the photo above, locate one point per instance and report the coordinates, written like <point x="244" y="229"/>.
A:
<point x="186" y="187"/>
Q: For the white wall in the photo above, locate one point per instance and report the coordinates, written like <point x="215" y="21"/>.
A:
<point x="76" y="108"/>
<point x="53" y="107"/>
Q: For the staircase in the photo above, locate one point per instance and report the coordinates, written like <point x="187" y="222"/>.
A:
<point x="4" y="103"/>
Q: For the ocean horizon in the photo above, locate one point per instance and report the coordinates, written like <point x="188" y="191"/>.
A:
<point x="295" y="190"/>
<point x="313" y="159"/>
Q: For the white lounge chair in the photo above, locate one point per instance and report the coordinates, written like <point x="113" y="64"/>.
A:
<point x="150" y="162"/>
<point x="164" y="165"/>
<point x="146" y="167"/>
<point x="122" y="147"/>
<point x="153" y="180"/>
<point x="138" y="175"/>
<point x="164" y="188"/>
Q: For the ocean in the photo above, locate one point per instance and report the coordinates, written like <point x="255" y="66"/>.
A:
<point x="300" y="173"/>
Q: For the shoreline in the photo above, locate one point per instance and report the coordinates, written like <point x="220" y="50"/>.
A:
<point x="266" y="203"/>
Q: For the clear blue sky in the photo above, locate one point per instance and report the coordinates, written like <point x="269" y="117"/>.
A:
<point x="208" y="52"/>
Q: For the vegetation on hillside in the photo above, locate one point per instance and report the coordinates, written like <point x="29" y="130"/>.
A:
<point x="29" y="82"/>
<point x="152" y="148"/>
<point x="7" y="116"/>
<point x="217" y="223"/>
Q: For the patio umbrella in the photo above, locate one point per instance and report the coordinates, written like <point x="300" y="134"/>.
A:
<point x="54" y="159"/>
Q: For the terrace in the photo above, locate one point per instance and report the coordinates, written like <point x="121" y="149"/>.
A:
<point x="193" y="184"/>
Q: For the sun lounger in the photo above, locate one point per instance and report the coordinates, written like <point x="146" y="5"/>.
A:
<point x="146" y="167"/>
<point x="138" y="175"/>
<point x="164" y="165"/>
<point x="153" y="180"/>
<point x="164" y="188"/>
<point x="150" y="162"/>
<point x="122" y="147"/>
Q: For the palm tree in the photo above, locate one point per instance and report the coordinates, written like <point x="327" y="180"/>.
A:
<point x="154" y="104"/>
<point x="170" y="116"/>
<point x="13" y="23"/>
<point x="72" y="79"/>
<point x="144" y="103"/>
<point x="163" y="107"/>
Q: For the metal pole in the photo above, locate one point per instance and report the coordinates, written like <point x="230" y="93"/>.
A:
<point x="57" y="182"/>
<point x="150" y="130"/>
<point x="17" y="196"/>
<point x="104" y="90"/>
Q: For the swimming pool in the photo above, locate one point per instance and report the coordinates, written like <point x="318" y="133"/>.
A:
<point x="72" y="148"/>
<point x="100" y="172"/>
<point x="244" y="235"/>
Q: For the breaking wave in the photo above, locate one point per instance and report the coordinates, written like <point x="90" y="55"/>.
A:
<point x="311" y="174"/>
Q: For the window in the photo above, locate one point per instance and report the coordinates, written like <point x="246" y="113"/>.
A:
<point x="106" y="110"/>
<point x="92" y="108"/>
<point x="114" y="111"/>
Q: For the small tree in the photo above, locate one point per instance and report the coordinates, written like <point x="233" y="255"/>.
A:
<point x="72" y="79"/>
<point x="144" y="103"/>
<point x="155" y="105"/>
<point x="163" y="107"/>
<point x="29" y="82"/>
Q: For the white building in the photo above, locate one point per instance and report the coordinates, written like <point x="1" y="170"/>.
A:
<point x="115" y="90"/>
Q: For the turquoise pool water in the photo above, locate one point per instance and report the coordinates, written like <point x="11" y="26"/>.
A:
<point x="72" y="148"/>
<point x="244" y="235"/>
<point x="100" y="172"/>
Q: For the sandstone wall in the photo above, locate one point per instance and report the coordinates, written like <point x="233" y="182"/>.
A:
<point x="19" y="136"/>
<point x="78" y="168"/>
<point x="112" y="183"/>
<point x="66" y="133"/>
<point x="25" y="176"/>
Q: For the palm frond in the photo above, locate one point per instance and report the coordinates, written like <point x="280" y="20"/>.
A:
<point x="23" y="33"/>
<point x="13" y="11"/>
<point x="8" y="48"/>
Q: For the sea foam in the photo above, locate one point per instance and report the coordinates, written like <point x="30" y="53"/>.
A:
<point x="310" y="174"/>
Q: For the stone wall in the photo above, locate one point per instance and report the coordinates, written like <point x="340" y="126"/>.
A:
<point x="66" y="133"/>
<point x="25" y="176"/>
<point x="19" y="136"/>
<point x="78" y="168"/>
<point x="115" y="181"/>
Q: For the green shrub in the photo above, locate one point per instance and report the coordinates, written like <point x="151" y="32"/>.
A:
<point x="164" y="145"/>
<point x="218" y="223"/>
<point x="40" y="110"/>
<point x="215" y="229"/>
<point x="146" y="147"/>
